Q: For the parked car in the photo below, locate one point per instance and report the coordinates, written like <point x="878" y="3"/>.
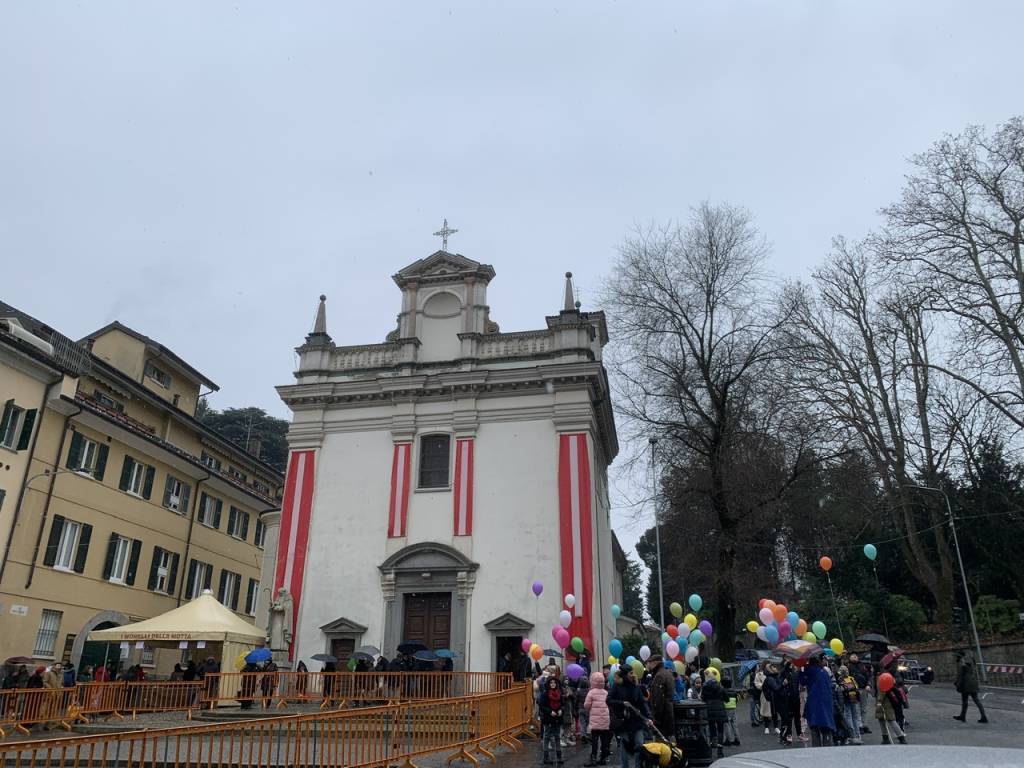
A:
<point x="752" y="654"/>
<point x="908" y="756"/>
<point x="912" y="669"/>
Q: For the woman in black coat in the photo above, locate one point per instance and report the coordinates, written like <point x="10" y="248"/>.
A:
<point x="713" y="695"/>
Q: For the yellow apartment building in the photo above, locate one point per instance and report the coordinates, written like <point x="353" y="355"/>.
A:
<point x="116" y="504"/>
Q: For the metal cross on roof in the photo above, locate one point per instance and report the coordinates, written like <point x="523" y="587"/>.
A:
<point x="443" y="233"/>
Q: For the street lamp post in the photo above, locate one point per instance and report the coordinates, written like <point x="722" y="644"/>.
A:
<point x="963" y="573"/>
<point x="657" y="530"/>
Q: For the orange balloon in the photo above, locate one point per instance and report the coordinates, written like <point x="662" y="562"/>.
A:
<point x="825" y="563"/>
<point x="769" y="604"/>
<point x="886" y="682"/>
<point x="801" y="628"/>
<point x="780" y="612"/>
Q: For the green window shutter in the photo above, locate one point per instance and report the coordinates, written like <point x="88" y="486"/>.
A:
<point x="186" y="493"/>
<point x="126" y="473"/>
<point x="168" y="486"/>
<point x="101" y="461"/>
<point x="147" y="483"/>
<point x="190" y="579"/>
<point x="133" y="562"/>
<point x="83" y="548"/>
<point x="75" y="451"/>
<point x="8" y="415"/>
<point x="232" y="519"/>
<point x="172" y="573"/>
<point x="208" y="579"/>
<point x="54" y="541"/>
<point x="238" y="588"/>
<point x="26" y="429"/>
<point x="223" y="585"/>
<point x="152" y="569"/>
<point x="202" y="505"/>
<point x="216" y="514"/>
<point x="108" y="564"/>
<point x="245" y="526"/>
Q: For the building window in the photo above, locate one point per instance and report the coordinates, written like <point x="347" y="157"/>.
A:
<point x="122" y="559"/>
<point x="200" y="575"/>
<point x="236" y="473"/>
<point x="238" y="523"/>
<point x="176" y="495"/>
<point x="261" y="532"/>
<point x="160" y="377"/>
<point x="163" y="571"/>
<point x="227" y="592"/>
<point x="210" y="461"/>
<point x="87" y="456"/>
<point x="107" y="402"/>
<point x="434" y="460"/>
<point x="209" y="511"/>
<point x="260" y="487"/>
<point x="146" y="659"/>
<point x="46" y="637"/>
<point x="250" y="597"/>
<point x="137" y="478"/>
<point x="16" y="426"/>
<point x="68" y="545"/>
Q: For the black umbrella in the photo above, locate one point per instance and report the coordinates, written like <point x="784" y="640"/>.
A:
<point x="361" y="656"/>
<point x="873" y="639"/>
<point x="552" y="653"/>
<point x="324" y="657"/>
<point x="410" y="648"/>
<point x="425" y="655"/>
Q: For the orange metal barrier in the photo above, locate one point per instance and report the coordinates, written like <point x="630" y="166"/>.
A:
<point x="336" y="688"/>
<point x="21" y="708"/>
<point x="467" y="728"/>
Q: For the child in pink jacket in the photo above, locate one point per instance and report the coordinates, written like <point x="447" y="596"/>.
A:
<point x="596" y="705"/>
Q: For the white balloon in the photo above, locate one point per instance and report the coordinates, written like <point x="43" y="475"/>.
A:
<point x="570" y="601"/>
<point x="761" y="634"/>
<point x="645" y="652"/>
<point x="691" y="654"/>
<point x="684" y="630"/>
<point x="565" y="619"/>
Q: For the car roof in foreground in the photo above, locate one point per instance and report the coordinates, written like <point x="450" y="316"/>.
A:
<point x="907" y="756"/>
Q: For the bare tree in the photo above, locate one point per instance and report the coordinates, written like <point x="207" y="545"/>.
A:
<point x="697" y="362"/>
<point x="864" y="358"/>
<point x="956" y="234"/>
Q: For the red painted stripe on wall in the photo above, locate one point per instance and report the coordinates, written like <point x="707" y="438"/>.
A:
<point x="576" y="530"/>
<point x="464" y="487"/>
<point x="398" y="503"/>
<point x="296" y="510"/>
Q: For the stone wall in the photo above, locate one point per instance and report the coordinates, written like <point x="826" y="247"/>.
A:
<point x="944" y="664"/>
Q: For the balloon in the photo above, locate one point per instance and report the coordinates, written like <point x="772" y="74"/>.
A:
<point x="645" y="653"/>
<point x="809" y="637"/>
<point x="765" y="615"/>
<point x="563" y="637"/>
<point x="785" y="630"/>
<point x="696" y="637"/>
<point x="886" y="682"/>
<point x="612" y="660"/>
<point x="716" y="663"/>
<point x="615" y="648"/>
<point x="536" y="652"/>
<point x="570" y="601"/>
<point x="672" y="649"/>
<point x="638" y="667"/>
<point x="761" y="635"/>
<point x="682" y="643"/>
<point x="684" y="630"/>
<point x="537" y="588"/>
<point x="679" y="667"/>
<point x="676" y="610"/>
<point x="691" y="654"/>
<point x="712" y="672"/>
<point x="616" y="611"/>
<point x="752" y="626"/>
<point x="630" y="660"/>
<point x="825" y="563"/>
<point x="527" y="642"/>
<point x="672" y="630"/>
<point x="771" y="634"/>
<point x="779" y="612"/>
<point x="665" y="637"/>
<point x="769" y="604"/>
<point x="555" y="630"/>
<point x="870" y="552"/>
<point x="695" y="602"/>
<point x="818" y="628"/>
<point x="837" y="646"/>
<point x="574" y="671"/>
<point x="705" y="628"/>
<point x="565" y="619"/>
<point x="690" y="620"/>
<point x="761" y="603"/>
<point x="792" y="618"/>
<point x="801" y="628"/>
<point x="577" y="645"/>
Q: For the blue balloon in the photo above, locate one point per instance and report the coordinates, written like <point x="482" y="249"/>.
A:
<point x="683" y="644"/>
<point x="793" y="618"/>
<point x="630" y="660"/>
<point x="615" y="648"/>
<point x="771" y="634"/>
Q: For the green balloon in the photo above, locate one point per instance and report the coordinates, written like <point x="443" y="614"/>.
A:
<point x="716" y="663"/>
<point x="577" y="645"/>
<point x="638" y="668"/>
<point x="351" y="665"/>
<point x="818" y="628"/>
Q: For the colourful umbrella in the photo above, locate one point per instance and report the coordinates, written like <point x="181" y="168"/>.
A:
<point x="798" y="649"/>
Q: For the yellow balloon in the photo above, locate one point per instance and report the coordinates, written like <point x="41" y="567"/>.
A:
<point x="712" y="672"/>
<point x="612" y="660"/>
<point x="679" y="667"/>
<point x="837" y="646"/>
<point x="810" y="637"/>
<point x="536" y="652"/>
<point x="690" y="621"/>
<point x="752" y="626"/>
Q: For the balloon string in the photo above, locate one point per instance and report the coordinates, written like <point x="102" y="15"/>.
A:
<point x="835" y="606"/>
<point x="885" y="622"/>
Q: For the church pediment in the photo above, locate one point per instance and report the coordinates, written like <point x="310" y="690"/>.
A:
<point x="343" y="626"/>
<point x="510" y="624"/>
<point x="428" y="556"/>
<point x="441" y="267"/>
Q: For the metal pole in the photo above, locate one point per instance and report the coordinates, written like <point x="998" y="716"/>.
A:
<point x="657" y="532"/>
<point x="963" y="575"/>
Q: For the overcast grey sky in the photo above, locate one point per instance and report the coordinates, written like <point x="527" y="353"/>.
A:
<point x="201" y="171"/>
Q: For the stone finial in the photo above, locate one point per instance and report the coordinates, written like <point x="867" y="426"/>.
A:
<point x="569" y="305"/>
<point x="319" y="333"/>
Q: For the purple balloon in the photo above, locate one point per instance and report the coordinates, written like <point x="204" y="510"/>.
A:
<point x="537" y="588"/>
<point x="574" y="671"/>
<point x="785" y="629"/>
<point x="705" y="627"/>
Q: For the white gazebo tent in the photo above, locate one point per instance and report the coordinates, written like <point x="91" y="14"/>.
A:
<point x="204" y="619"/>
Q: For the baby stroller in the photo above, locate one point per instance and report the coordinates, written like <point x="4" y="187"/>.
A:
<point x="658" y="753"/>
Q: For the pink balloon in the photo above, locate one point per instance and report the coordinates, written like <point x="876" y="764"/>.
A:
<point x="766" y="616"/>
<point x="556" y="631"/>
<point x="672" y="649"/>
<point x="785" y="629"/>
<point x="527" y="642"/>
<point x="562" y="639"/>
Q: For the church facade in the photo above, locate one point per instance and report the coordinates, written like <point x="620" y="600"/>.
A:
<point x="435" y="476"/>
